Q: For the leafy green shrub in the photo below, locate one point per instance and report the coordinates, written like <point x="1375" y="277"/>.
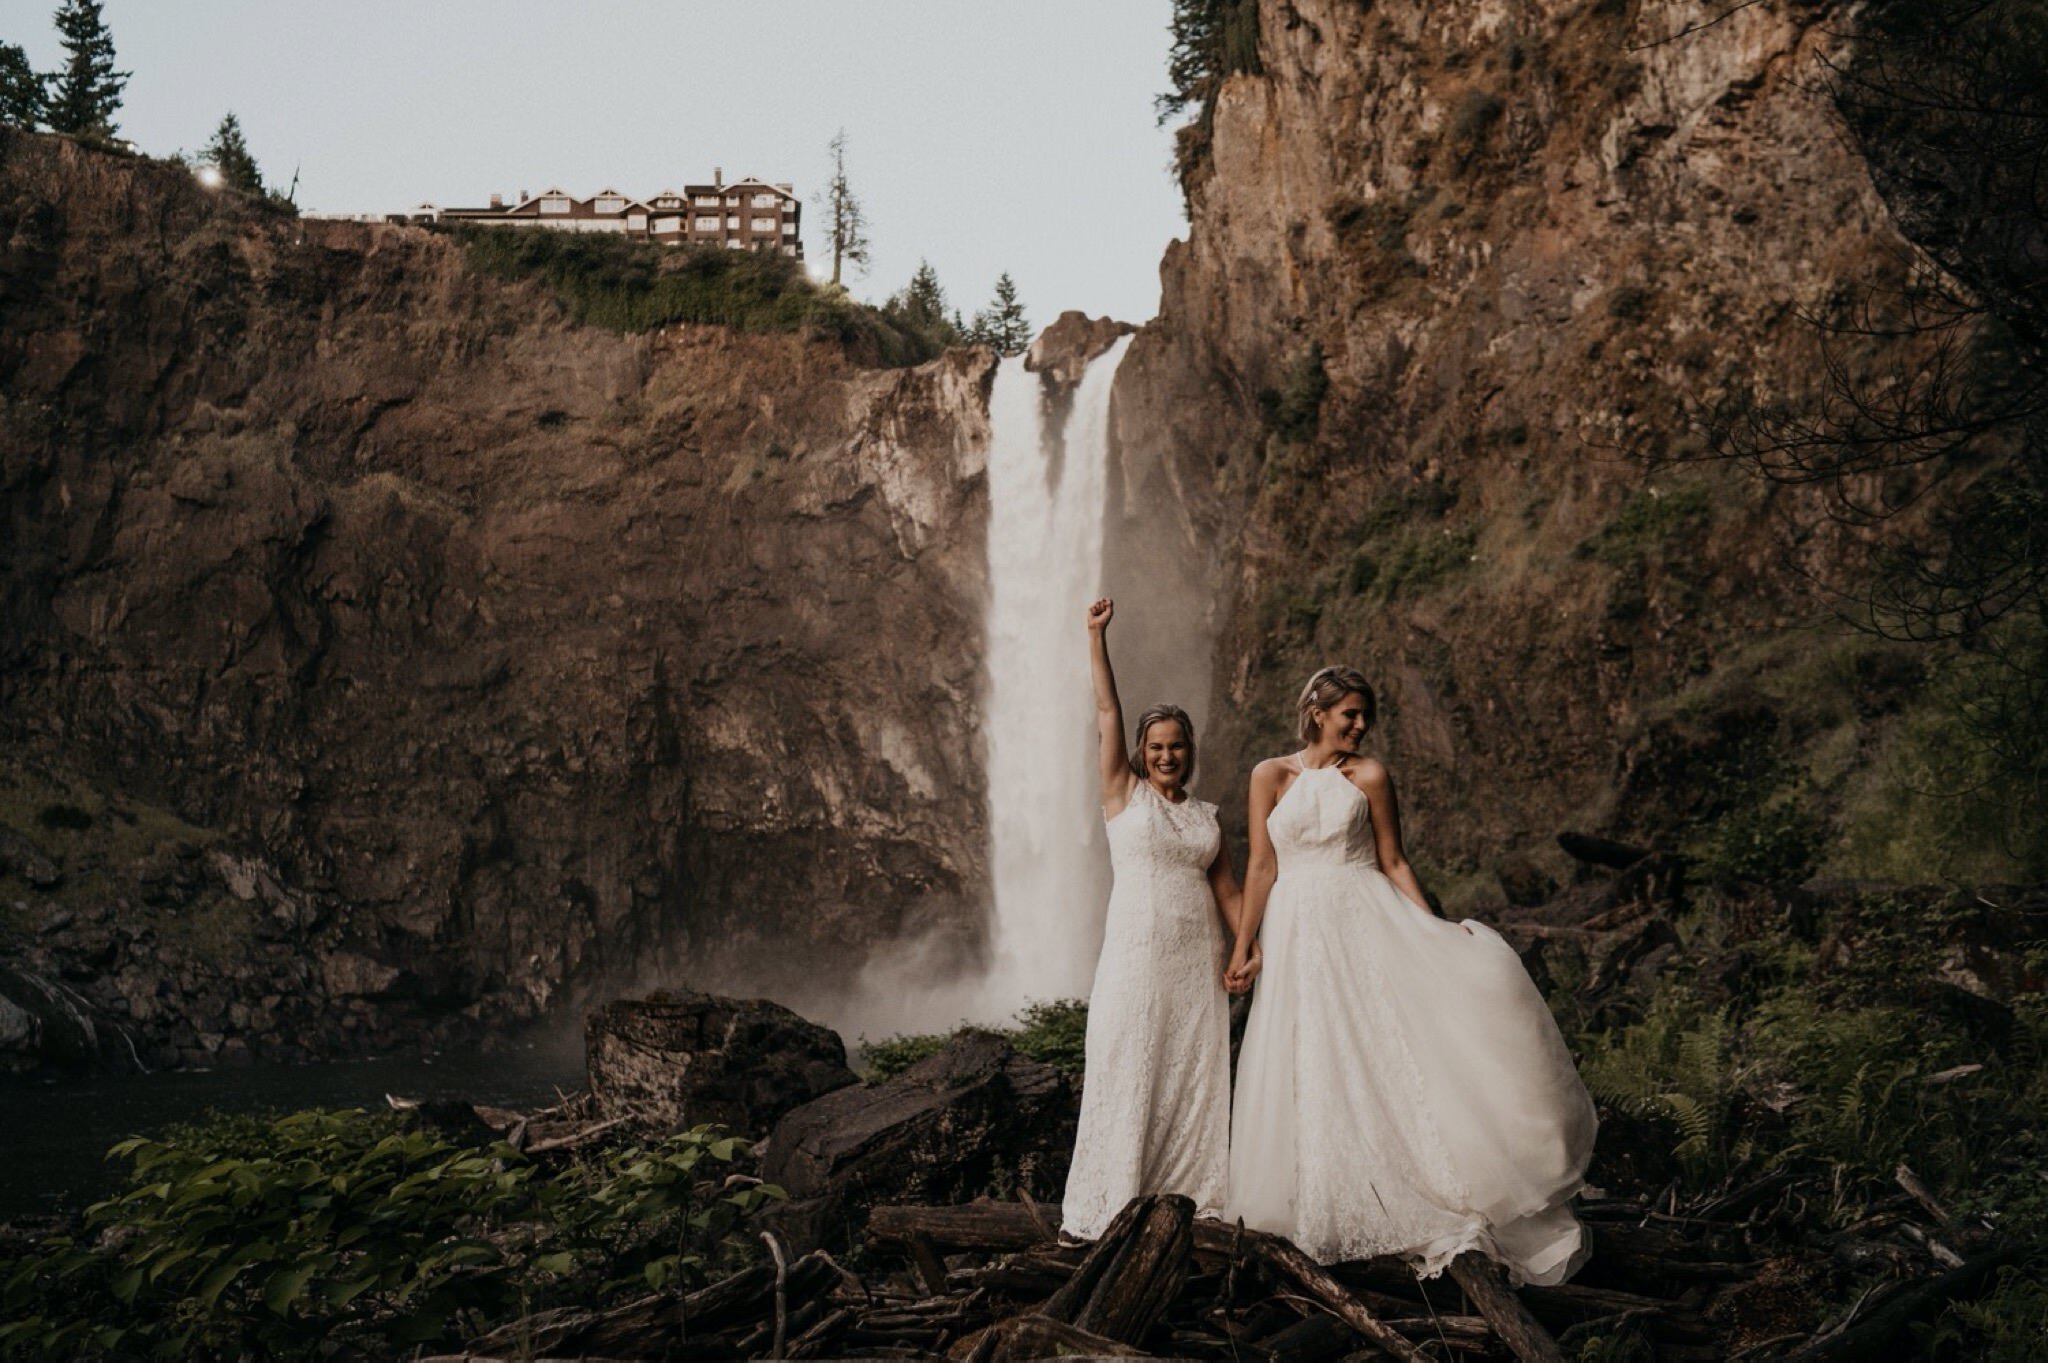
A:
<point x="324" y="1232"/>
<point x="1053" y="1031"/>
<point x="1776" y="841"/>
<point x="889" y="1057"/>
<point x="1294" y="411"/>
<point x="634" y="286"/>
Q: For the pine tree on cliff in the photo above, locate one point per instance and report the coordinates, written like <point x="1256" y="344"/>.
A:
<point x="846" y="223"/>
<point x="229" y="154"/>
<point x="1002" y="325"/>
<point x="21" y="89"/>
<point x="88" y="90"/>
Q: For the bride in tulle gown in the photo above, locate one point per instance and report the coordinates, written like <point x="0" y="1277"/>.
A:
<point x="1401" y="1087"/>
<point x="1155" y="1095"/>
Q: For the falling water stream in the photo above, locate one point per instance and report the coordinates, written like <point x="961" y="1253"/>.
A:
<point x="1047" y="494"/>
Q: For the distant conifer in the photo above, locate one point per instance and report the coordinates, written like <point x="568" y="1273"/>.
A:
<point x="1002" y="325"/>
<point x="87" y="92"/>
<point x="229" y="154"/>
<point x="22" y="91"/>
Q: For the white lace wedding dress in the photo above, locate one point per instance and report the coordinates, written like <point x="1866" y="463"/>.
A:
<point x="1401" y="1088"/>
<point x="1155" y="1096"/>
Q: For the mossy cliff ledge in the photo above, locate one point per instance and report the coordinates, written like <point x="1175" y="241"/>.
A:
<point x="385" y="654"/>
<point x="1462" y="286"/>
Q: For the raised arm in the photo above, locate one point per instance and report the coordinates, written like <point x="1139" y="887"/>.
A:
<point x="1259" y="875"/>
<point x="1372" y="778"/>
<point x="1117" y="777"/>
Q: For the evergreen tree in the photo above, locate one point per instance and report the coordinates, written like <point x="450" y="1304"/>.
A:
<point x="846" y="223"/>
<point x="229" y="154"/>
<point x="924" y="301"/>
<point x="1001" y="325"/>
<point x="21" y="89"/>
<point x="1211" y="40"/>
<point x="88" y="90"/>
<point x="920" y="307"/>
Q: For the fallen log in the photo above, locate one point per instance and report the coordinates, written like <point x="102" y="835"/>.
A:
<point x="1035" y="1336"/>
<point x="1066" y="1303"/>
<point x="993" y="1227"/>
<point x="1876" y="1336"/>
<point x="1334" y="1297"/>
<point x="1145" y="1276"/>
<point x="1483" y="1283"/>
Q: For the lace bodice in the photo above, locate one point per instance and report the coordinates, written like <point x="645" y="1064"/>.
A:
<point x="1322" y="820"/>
<point x="1150" y="835"/>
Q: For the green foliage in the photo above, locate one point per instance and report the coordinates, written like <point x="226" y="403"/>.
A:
<point x="921" y="307"/>
<point x="22" y="89"/>
<point x="322" y="1232"/>
<point x="1675" y="1066"/>
<point x="1001" y="326"/>
<point x="1834" y="1063"/>
<point x="229" y="154"/>
<point x="1652" y="521"/>
<point x="1053" y="1031"/>
<point x="889" y="1057"/>
<point x="1960" y="787"/>
<point x="2007" y="1325"/>
<point x="86" y="94"/>
<point x="1212" y="40"/>
<point x="1294" y="411"/>
<point x="1778" y="841"/>
<point x="631" y="286"/>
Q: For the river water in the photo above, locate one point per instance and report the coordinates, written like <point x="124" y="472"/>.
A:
<point x="53" y="1135"/>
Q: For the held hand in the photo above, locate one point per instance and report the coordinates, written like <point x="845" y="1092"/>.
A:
<point x="1243" y="969"/>
<point x="1099" y="613"/>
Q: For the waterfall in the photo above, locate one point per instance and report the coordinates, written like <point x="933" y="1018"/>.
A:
<point x="1046" y="508"/>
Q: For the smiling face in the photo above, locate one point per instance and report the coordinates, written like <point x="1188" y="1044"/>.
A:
<point x="1166" y="753"/>
<point x="1344" y="724"/>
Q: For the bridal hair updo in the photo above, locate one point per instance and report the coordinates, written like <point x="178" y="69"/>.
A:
<point x="1325" y="689"/>
<point x="1145" y="723"/>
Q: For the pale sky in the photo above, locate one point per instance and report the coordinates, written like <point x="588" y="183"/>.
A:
<point x="982" y="136"/>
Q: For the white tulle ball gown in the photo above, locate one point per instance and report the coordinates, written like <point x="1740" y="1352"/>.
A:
<point x="1401" y="1088"/>
<point x="1155" y="1095"/>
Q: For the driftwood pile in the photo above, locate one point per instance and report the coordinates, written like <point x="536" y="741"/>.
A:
<point x="991" y="1282"/>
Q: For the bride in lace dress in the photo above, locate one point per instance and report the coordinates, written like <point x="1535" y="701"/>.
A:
<point x="1401" y="1088"/>
<point x="1155" y="1097"/>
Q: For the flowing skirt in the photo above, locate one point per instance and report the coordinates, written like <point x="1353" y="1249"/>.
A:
<point x="1402" y="1088"/>
<point x="1155" y="1096"/>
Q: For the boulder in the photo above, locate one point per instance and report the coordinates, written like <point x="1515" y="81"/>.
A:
<point x="677" y="1059"/>
<point x="1064" y="350"/>
<point x="976" y="1118"/>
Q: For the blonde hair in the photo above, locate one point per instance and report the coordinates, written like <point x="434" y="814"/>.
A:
<point x="1187" y="729"/>
<point x="1325" y="689"/>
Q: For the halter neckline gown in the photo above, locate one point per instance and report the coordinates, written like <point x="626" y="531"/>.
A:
<point x="1155" y="1093"/>
<point x="1401" y="1088"/>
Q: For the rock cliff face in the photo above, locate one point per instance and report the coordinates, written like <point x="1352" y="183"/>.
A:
<point x="378" y="646"/>
<point x="1458" y="276"/>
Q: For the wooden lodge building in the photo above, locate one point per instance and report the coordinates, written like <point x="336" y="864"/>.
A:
<point x="748" y="214"/>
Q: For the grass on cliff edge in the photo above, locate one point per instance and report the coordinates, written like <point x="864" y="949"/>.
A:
<point x="631" y="287"/>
